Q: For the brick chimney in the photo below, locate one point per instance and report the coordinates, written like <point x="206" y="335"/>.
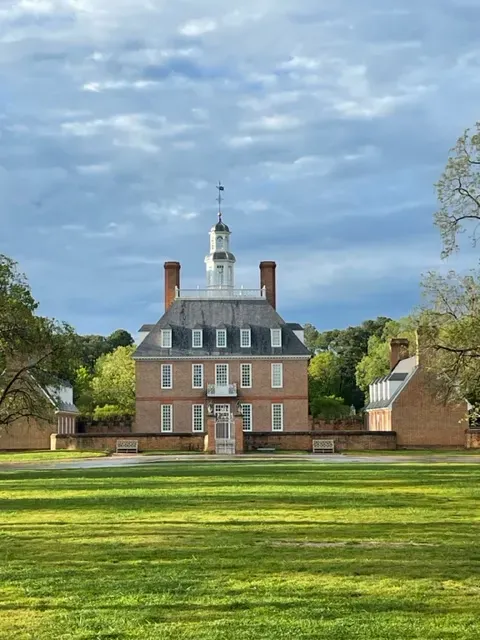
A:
<point x="398" y="351"/>
<point x="268" y="280"/>
<point x="172" y="280"/>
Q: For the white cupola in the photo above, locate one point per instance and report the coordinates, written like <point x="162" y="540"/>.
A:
<point x="220" y="261"/>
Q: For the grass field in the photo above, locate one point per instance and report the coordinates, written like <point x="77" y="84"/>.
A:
<point x="46" y="456"/>
<point x="241" y="551"/>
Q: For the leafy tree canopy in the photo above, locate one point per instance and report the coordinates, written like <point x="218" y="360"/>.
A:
<point x="36" y="353"/>
<point x="114" y="380"/>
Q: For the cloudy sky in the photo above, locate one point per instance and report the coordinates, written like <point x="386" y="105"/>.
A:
<point x="328" y="123"/>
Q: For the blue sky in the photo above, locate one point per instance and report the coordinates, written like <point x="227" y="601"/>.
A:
<point x="328" y="123"/>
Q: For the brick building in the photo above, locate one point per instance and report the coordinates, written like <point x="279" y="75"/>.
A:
<point x="34" y="434"/>
<point x="403" y="402"/>
<point x="221" y="352"/>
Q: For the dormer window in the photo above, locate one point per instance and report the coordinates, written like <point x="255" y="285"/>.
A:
<point x="276" y="335"/>
<point x="166" y="338"/>
<point x="245" y="338"/>
<point x="221" y="338"/>
<point x="197" y="338"/>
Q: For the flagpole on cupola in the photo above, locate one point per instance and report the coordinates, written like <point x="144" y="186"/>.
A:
<point x="220" y="188"/>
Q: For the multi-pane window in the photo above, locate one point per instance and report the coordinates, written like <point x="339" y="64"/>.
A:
<point x="197" y="338"/>
<point x="245" y="338"/>
<point x="166" y="338"/>
<point x="167" y="417"/>
<point x="277" y="375"/>
<point x="246" y="376"/>
<point x="197" y="376"/>
<point x="276" y="335"/>
<point x="167" y="376"/>
<point x="197" y="417"/>
<point x="247" y="417"/>
<point x="277" y="417"/>
<point x="221" y="337"/>
<point x="221" y="375"/>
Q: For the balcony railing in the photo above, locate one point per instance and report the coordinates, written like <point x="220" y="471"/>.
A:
<point x="222" y="390"/>
<point x="220" y="294"/>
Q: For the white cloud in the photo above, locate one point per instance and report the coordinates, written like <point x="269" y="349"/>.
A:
<point x="161" y="213"/>
<point x="275" y="122"/>
<point x="89" y="169"/>
<point x="198" y="27"/>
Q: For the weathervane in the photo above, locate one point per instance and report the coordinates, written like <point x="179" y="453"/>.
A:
<point x="220" y="188"/>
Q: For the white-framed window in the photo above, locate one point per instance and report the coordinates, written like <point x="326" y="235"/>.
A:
<point x="166" y="338"/>
<point x="221" y="338"/>
<point x="245" y="338"/>
<point x="197" y="376"/>
<point x="221" y="375"/>
<point x="197" y="417"/>
<point x="245" y="376"/>
<point x="219" y="243"/>
<point x="277" y="417"/>
<point x="167" y="376"/>
<point x="277" y="375"/>
<point x="167" y="418"/>
<point x="276" y="335"/>
<point x="197" y="338"/>
<point x="247" y="417"/>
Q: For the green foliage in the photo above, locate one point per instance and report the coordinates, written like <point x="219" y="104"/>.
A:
<point x="94" y="346"/>
<point x="114" y="380"/>
<point x="376" y="362"/>
<point x="451" y="334"/>
<point x="349" y="347"/>
<point x="111" y="411"/>
<point x="328" y="407"/>
<point x="258" y="551"/>
<point x="451" y="316"/>
<point x="83" y="393"/>
<point x="35" y="352"/>
<point x="459" y="192"/>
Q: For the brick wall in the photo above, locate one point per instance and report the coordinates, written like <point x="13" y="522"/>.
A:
<point x="23" y="435"/>
<point x="146" y="442"/>
<point x="379" y="420"/>
<point x="150" y="395"/>
<point x="419" y="419"/>
<point x="354" y="423"/>
<point x="301" y="441"/>
<point x="472" y="439"/>
<point x="344" y="441"/>
<point x="124" y="425"/>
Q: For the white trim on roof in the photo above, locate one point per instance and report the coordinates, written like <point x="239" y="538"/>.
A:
<point x="222" y="357"/>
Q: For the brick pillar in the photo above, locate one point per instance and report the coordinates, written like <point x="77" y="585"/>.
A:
<point x="239" y="446"/>
<point x="210" y="437"/>
<point x="172" y="280"/>
<point x="398" y="351"/>
<point x="268" y="280"/>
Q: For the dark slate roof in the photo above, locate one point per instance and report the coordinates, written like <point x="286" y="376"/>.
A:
<point x="146" y="328"/>
<point x="394" y="376"/>
<point x="294" y="326"/>
<point x="221" y="226"/>
<point x="185" y="315"/>
<point x="223" y="255"/>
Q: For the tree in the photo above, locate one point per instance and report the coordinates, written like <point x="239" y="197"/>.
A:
<point x="459" y="192"/>
<point x="36" y="353"/>
<point x="350" y="345"/>
<point x="450" y="321"/>
<point x="119" y="338"/>
<point x="114" y="380"/>
<point x="94" y="346"/>
<point x="376" y="363"/>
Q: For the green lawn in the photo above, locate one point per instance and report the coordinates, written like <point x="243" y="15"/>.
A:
<point x="46" y="456"/>
<point x="246" y="551"/>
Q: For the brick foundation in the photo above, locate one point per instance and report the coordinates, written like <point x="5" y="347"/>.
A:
<point x="301" y="441"/>
<point x="355" y="423"/>
<point x="472" y="439"/>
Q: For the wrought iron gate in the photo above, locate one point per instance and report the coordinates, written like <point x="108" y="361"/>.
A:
<point x="225" y="433"/>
